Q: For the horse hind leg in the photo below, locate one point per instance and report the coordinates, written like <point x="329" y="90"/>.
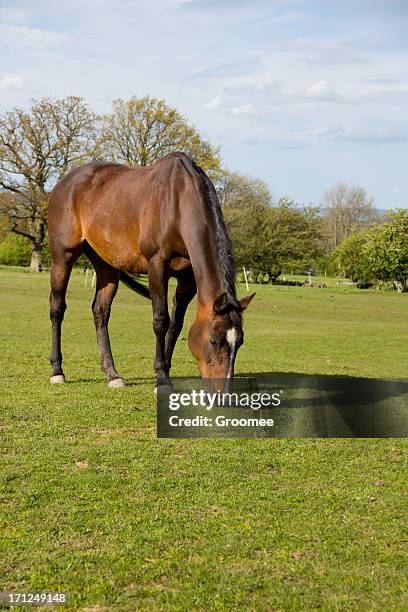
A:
<point x="158" y="285"/>
<point x="61" y="267"/>
<point x="185" y="291"/>
<point x="106" y="288"/>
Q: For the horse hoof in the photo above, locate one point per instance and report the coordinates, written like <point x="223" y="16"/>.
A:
<point x="164" y="388"/>
<point x="116" y="383"/>
<point x="58" y="379"/>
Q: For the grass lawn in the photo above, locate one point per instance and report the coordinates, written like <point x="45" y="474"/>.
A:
<point x="93" y="504"/>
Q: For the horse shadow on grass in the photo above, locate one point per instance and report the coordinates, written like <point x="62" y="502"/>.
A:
<point x="336" y="406"/>
<point x="319" y="405"/>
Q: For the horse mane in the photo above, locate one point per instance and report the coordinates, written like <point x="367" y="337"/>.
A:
<point x="222" y="238"/>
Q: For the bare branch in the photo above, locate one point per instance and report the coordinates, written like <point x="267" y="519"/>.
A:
<point x="15" y="230"/>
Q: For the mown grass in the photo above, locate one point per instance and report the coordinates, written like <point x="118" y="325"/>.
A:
<point x="93" y="504"/>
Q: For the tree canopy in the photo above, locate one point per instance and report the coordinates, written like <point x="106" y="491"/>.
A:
<point x="269" y="237"/>
<point x="387" y="249"/>
<point x="350" y="258"/>
<point x="139" y="131"/>
<point x="379" y="253"/>
<point x="348" y="209"/>
<point x="37" y="147"/>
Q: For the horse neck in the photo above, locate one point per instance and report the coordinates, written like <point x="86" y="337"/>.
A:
<point x="202" y="250"/>
<point x="208" y="277"/>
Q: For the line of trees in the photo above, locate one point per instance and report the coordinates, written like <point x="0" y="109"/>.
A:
<point x="38" y="146"/>
<point x="362" y="244"/>
<point x="269" y="238"/>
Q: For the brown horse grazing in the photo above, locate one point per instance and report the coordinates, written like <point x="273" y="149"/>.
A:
<point x="164" y="220"/>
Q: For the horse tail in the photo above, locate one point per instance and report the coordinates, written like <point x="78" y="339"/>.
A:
<point x="130" y="281"/>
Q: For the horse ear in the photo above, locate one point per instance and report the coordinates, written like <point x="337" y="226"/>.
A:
<point x="220" y="303"/>
<point x="244" y="303"/>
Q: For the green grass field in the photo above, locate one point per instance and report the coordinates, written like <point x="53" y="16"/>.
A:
<point x="93" y="504"/>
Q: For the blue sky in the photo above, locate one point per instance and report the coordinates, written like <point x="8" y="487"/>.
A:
<point x="301" y="94"/>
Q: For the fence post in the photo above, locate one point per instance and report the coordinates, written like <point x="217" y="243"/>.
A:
<point x="246" y="278"/>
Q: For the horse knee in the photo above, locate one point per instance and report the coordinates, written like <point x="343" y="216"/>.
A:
<point x="58" y="307"/>
<point x="161" y="322"/>
<point x="101" y="313"/>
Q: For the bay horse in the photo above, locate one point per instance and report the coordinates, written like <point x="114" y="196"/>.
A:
<point x="164" y="220"/>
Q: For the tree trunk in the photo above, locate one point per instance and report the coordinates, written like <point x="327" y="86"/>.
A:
<point x="36" y="258"/>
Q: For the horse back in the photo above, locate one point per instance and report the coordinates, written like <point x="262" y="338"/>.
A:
<point x="125" y="214"/>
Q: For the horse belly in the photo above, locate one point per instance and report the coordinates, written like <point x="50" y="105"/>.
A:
<point x="118" y="245"/>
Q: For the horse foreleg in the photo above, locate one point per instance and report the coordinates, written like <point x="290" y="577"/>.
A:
<point x="61" y="268"/>
<point x="106" y="287"/>
<point x="185" y="291"/>
<point x="158" y="285"/>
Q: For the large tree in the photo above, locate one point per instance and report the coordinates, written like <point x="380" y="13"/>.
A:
<point x="293" y="238"/>
<point x="350" y="258"/>
<point x="37" y="147"/>
<point x="387" y="249"/>
<point x="139" y="131"/>
<point x="348" y="209"/>
<point x="379" y="253"/>
<point x="268" y="237"/>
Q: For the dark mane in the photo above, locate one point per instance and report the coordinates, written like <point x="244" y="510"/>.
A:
<point x="223" y="241"/>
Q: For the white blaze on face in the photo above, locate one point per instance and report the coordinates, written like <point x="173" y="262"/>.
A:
<point x="231" y="337"/>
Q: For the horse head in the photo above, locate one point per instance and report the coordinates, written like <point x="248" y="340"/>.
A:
<point x="216" y="336"/>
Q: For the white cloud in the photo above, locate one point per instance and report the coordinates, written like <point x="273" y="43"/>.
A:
<point x="263" y="85"/>
<point x="11" y="14"/>
<point x="368" y="135"/>
<point x="383" y="88"/>
<point x="244" y="109"/>
<point x="317" y="91"/>
<point x="374" y="136"/>
<point x="10" y="82"/>
<point x="334" y="56"/>
<point x="322" y="90"/>
<point x="356" y="94"/>
<point x="214" y="103"/>
<point x="18" y="38"/>
<point x="289" y="17"/>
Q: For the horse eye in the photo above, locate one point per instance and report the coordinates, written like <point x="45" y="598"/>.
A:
<point x="213" y="342"/>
